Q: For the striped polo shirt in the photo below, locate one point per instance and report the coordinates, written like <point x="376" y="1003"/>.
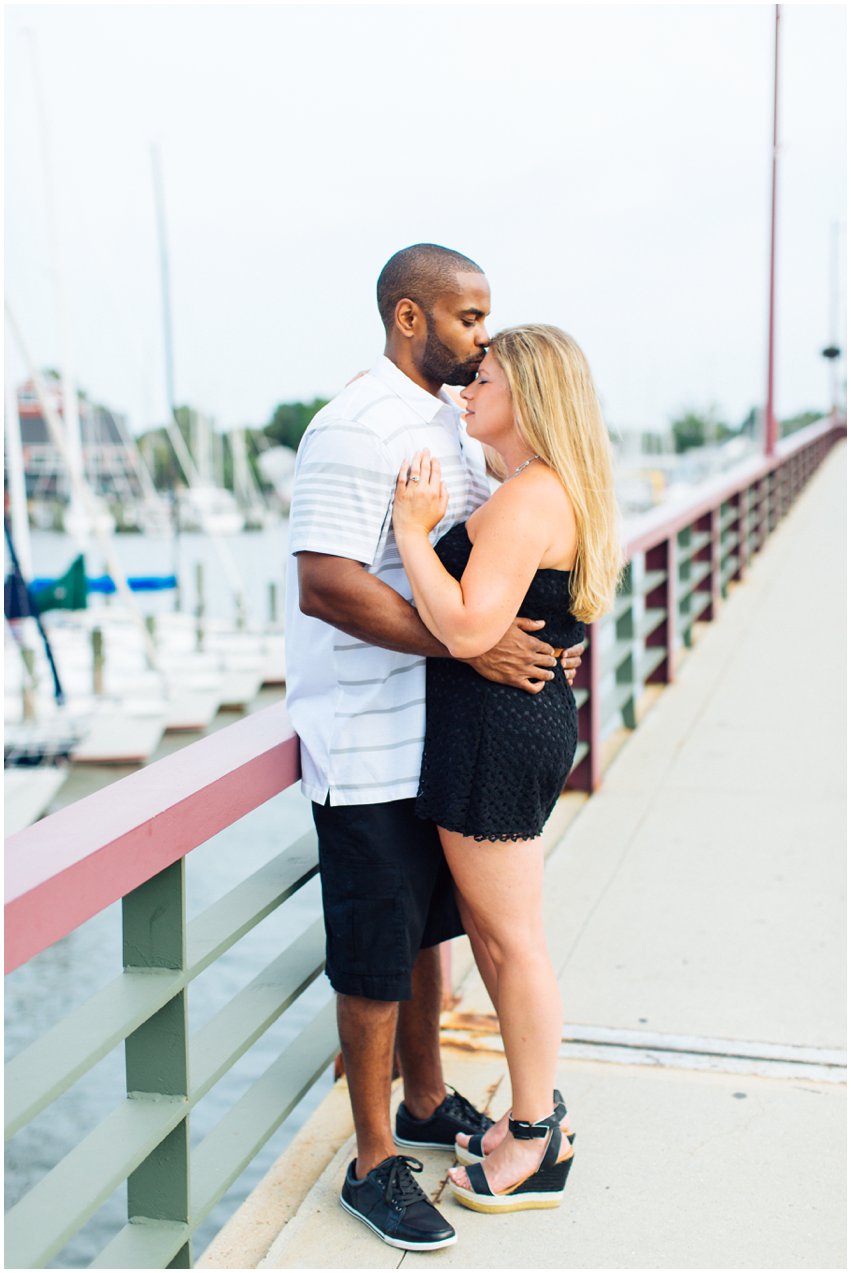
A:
<point x="359" y="710"/>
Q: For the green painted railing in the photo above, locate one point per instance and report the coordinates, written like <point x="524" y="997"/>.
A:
<point x="680" y="562"/>
<point x="145" y="1140"/>
<point x="130" y="842"/>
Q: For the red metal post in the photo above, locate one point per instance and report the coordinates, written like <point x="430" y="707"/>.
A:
<point x="770" y="421"/>
<point x="711" y="552"/>
<point x="586" y="775"/>
<point x="664" y="597"/>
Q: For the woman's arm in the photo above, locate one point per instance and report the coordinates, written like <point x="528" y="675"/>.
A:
<point x="512" y="535"/>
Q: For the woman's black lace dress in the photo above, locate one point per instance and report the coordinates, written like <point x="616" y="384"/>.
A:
<point x="496" y="758"/>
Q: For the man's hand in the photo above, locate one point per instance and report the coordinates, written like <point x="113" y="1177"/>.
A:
<point x="519" y="659"/>
<point x="526" y="663"/>
<point x="570" y="660"/>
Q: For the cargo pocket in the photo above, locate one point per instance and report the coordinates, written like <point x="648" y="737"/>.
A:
<point x="366" y="919"/>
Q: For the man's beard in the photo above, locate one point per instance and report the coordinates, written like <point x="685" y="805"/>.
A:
<point x="441" y="365"/>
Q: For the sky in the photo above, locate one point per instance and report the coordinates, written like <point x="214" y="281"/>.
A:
<point x="608" y="166"/>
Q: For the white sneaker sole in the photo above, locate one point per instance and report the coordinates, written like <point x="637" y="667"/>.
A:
<point x="424" y="1144"/>
<point x="400" y="1246"/>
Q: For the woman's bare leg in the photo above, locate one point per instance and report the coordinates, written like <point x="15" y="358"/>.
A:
<point x="484" y="963"/>
<point x="501" y="886"/>
<point x="488" y="974"/>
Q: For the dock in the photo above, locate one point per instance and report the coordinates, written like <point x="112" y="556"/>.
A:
<point x="695" y="910"/>
<point x="694" y="902"/>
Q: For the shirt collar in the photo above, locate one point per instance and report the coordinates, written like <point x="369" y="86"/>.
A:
<point x="424" y="403"/>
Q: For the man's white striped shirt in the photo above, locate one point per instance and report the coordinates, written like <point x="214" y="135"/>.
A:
<point x="359" y="710"/>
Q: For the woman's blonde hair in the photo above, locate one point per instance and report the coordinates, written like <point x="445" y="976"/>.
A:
<point x="559" y="416"/>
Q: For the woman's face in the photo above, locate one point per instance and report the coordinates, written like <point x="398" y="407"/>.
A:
<point x="490" y="408"/>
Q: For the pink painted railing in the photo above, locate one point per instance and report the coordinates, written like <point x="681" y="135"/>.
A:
<point x="70" y="866"/>
<point x="128" y="841"/>
<point x="680" y="560"/>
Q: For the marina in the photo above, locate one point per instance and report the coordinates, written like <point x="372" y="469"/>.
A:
<point x="129" y="676"/>
<point x="229" y="852"/>
<point x="188" y="283"/>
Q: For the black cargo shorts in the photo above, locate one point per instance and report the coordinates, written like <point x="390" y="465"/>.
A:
<point x="386" y="893"/>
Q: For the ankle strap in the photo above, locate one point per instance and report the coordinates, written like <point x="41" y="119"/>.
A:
<point x="521" y="1130"/>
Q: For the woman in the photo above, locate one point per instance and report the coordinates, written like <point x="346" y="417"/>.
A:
<point x="496" y="758"/>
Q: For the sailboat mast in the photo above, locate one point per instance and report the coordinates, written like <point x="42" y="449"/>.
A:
<point x="70" y="405"/>
<point x="181" y="450"/>
<point x="165" y="280"/>
<point x="17" y="481"/>
<point x="80" y="490"/>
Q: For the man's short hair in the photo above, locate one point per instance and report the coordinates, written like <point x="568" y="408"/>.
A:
<point x="422" y="273"/>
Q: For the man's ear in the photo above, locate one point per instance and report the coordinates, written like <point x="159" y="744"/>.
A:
<point x="408" y="317"/>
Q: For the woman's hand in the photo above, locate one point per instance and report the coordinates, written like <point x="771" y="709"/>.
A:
<point x="421" y="497"/>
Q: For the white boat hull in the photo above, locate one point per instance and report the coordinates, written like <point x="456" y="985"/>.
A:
<point x="27" y="793"/>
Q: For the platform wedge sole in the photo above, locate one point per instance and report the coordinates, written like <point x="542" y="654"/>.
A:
<point x="495" y="1206"/>
<point x="543" y="1190"/>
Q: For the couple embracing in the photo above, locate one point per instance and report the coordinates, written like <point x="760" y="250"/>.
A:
<point x="432" y="632"/>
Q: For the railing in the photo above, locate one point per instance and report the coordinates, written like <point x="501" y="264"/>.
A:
<point x="130" y="841"/>
<point x="680" y="562"/>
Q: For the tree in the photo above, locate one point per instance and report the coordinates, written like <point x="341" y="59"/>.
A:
<point x="799" y="421"/>
<point x="158" y="454"/>
<point x="289" y="421"/>
<point x="699" y="428"/>
<point x="750" y="424"/>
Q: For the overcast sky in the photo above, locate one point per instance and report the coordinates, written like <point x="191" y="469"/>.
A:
<point x="608" y="166"/>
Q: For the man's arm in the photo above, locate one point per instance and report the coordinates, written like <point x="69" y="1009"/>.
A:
<point x="344" y="594"/>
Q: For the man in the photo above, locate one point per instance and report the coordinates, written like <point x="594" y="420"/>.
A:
<point x="356" y="695"/>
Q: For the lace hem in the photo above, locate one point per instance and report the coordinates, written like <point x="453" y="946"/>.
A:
<point x="492" y="836"/>
<point x="510" y="836"/>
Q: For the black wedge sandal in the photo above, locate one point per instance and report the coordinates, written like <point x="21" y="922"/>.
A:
<point x="473" y="1152"/>
<point x="543" y="1188"/>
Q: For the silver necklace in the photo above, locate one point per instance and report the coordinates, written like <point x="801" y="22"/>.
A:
<point x="521" y="467"/>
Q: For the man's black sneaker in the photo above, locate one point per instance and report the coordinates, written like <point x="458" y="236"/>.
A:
<point x="454" y="1114"/>
<point x="392" y="1204"/>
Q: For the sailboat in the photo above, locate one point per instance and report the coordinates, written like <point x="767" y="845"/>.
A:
<point x="250" y="497"/>
<point x="205" y="504"/>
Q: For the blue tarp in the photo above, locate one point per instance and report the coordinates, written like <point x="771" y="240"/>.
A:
<point x="104" y="583"/>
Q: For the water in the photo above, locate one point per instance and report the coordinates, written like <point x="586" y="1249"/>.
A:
<point x="68" y="973"/>
<point x="258" y="559"/>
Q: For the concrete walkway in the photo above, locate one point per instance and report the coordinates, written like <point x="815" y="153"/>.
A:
<point x="696" y="915"/>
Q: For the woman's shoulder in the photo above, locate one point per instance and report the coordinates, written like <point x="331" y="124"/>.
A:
<point x="525" y="502"/>
<point x="537" y="486"/>
<point x="534" y="510"/>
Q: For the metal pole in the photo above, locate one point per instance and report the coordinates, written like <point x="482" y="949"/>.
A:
<point x="181" y="450"/>
<point x="833" y="333"/>
<point x="98" y="661"/>
<point x="17" y="479"/>
<point x="770" y="421"/>
<point x="70" y="403"/>
<point x="78" y="485"/>
<point x="165" y="284"/>
<point x="200" y="607"/>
